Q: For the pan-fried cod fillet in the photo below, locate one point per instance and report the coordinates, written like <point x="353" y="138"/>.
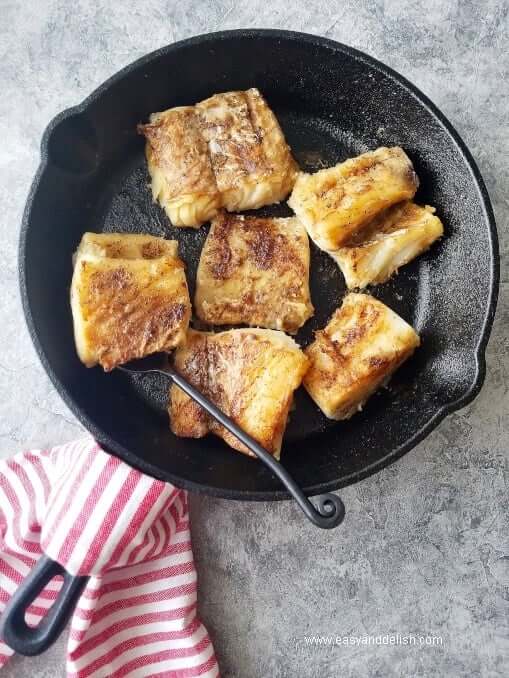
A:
<point x="252" y="162"/>
<point x="359" y="349"/>
<point x="399" y="235"/>
<point x="254" y="271"/>
<point x="337" y="203"/>
<point x="183" y="181"/>
<point x="227" y="151"/>
<point x="129" y="298"/>
<point x="250" y="374"/>
<point x="125" y="246"/>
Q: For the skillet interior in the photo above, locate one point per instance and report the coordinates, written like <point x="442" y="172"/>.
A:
<point x="333" y="102"/>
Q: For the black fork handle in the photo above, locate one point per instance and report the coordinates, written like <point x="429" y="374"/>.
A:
<point x="14" y="630"/>
<point x="329" y="510"/>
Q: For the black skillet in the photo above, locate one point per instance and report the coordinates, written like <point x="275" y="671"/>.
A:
<point x="333" y="102"/>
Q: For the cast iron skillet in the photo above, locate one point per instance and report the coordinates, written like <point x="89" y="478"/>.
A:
<point x="333" y="102"/>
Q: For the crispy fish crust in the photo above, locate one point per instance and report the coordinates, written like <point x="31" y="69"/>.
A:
<point x="359" y="349"/>
<point x="183" y="181"/>
<point x="226" y="151"/>
<point x="250" y="374"/>
<point x="337" y="203"/>
<point x="252" y="162"/>
<point x="397" y="236"/>
<point x="254" y="271"/>
<point x="129" y="298"/>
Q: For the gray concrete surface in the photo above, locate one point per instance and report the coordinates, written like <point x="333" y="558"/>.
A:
<point x="424" y="548"/>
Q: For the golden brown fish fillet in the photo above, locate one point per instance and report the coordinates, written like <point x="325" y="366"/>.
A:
<point x="226" y="151"/>
<point x="396" y="237"/>
<point x="359" y="349"/>
<point x="252" y="162"/>
<point x="250" y="374"/>
<point x="129" y="298"/>
<point x="254" y="271"/>
<point x="337" y="203"/>
<point x="183" y="181"/>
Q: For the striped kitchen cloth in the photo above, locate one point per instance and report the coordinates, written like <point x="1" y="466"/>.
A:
<point x="97" y="516"/>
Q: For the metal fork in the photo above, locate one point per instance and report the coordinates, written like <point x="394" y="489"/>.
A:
<point x="329" y="510"/>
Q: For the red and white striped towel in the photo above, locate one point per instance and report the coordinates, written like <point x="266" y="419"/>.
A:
<point x="97" y="516"/>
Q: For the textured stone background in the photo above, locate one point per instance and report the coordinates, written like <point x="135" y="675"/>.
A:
<point x="424" y="547"/>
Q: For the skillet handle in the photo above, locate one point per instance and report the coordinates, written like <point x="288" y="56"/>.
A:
<point x="14" y="630"/>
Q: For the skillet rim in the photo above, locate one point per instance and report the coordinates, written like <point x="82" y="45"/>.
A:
<point x="443" y="411"/>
